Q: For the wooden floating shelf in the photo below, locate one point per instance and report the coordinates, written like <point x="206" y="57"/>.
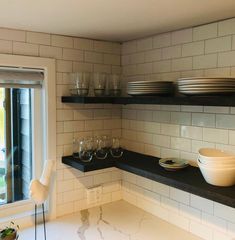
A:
<point x="189" y="179"/>
<point x="163" y="100"/>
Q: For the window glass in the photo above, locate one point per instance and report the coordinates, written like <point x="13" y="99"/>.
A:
<point x="15" y="143"/>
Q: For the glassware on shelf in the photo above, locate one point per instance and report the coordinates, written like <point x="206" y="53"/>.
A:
<point x="86" y="149"/>
<point x="99" y="82"/>
<point x="80" y="83"/>
<point x="115" y="85"/>
<point x="102" y="147"/>
<point x="75" y="148"/>
<point x="98" y="146"/>
<point x="116" y="150"/>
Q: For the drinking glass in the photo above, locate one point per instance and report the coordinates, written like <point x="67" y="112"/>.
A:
<point x="102" y="148"/>
<point x="75" y="148"/>
<point x="81" y="82"/>
<point x="86" y="150"/>
<point x="99" y="83"/>
<point x="115" y="87"/>
<point x="116" y="150"/>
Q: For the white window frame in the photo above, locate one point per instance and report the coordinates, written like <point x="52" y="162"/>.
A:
<point x="24" y="208"/>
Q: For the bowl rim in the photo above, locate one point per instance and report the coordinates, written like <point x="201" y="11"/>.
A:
<point x="227" y="153"/>
<point x="214" y="168"/>
<point x="224" y="162"/>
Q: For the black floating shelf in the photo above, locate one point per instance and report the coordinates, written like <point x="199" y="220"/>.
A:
<point x="189" y="179"/>
<point x="95" y="164"/>
<point x="76" y="99"/>
<point x="164" y="100"/>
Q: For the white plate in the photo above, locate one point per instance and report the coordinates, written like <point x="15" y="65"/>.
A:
<point x="173" y="164"/>
<point x="153" y="88"/>
<point x="207" y="78"/>
<point x="208" y="88"/>
<point x="206" y="92"/>
<point x="207" y="84"/>
<point x="141" y="93"/>
<point x="151" y="82"/>
<point x="148" y="90"/>
<point x="148" y="94"/>
<point x="140" y="85"/>
<point x="207" y="81"/>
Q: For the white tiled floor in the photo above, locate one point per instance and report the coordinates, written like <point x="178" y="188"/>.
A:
<point x="113" y="221"/>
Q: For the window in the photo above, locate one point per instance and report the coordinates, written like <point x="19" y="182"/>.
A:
<point x="15" y="143"/>
<point x="16" y="133"/>
<point x="28" y="99"/>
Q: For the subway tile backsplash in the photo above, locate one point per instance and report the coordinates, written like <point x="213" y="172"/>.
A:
<point x="200" y="51"/>
<point x="180" y="131"/>
<point x="163" y="131"/>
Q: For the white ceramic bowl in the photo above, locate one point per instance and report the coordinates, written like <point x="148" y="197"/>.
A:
<point x="223" y="177"/>
<point x="230" y="162"/>
<point x="215" y="154"/>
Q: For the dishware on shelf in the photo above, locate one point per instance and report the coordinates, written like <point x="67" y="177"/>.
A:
<point x="173" y="164"/>
<point x="218" y="176"/>
<point x="86" y="150"/>
<point x="116" y="149"/>
<point x="75" y="148"/>
<point x="82" y="92"/>
<point x="102" y="147"/>
<point x="115" y="85"/>
<point x="99" y="83"/>
<point x="215" y="157"/>
<point x="80" y="83"/>
<point x="215" y="154"/>
<point x="217" y="166"/>
<point x="206" y="85"/>
<point x="148" y="88"/>
<point x="216" y="163"/>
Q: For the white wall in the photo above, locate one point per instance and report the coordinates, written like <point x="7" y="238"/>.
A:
<point x="156" y="130"/>
<point x="179" y="131"/>
<point x="73" y="120"/>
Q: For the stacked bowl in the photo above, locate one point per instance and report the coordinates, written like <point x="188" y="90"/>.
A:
<point x="217" y="166"/>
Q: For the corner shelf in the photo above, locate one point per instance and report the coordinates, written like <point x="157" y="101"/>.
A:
<point x="77" y="99"/>
<point x="189" y="179"/>
<point x="95" y="164"/>
<point x="163" y="100"/>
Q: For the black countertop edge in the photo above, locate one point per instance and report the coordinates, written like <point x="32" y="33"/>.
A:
<point x="163" y="100"/>
<point x="189" y="179"/>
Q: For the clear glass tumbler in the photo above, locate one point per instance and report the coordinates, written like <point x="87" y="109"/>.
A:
<point x="99" y="83"/>
<point x="115" y="85"/>
<point x="80" y="83"/>
<point x="102" y="147"/>
<point x="116" y="150"/>
<point x="86" y="150"/>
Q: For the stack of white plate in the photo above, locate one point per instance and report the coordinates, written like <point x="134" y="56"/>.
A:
<point x="217" y="166"/>
<point x="148" y="88"/>
<point x="206" y="85"/>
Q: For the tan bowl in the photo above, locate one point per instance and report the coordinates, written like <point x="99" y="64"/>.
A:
<point x="223" y="177"/>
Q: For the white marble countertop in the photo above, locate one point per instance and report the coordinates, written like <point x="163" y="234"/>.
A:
<point x="114" y="221"/>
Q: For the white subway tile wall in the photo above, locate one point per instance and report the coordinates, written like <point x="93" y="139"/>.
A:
<point x="179" y="131"/>
<point x="74" y="54"/>
<point x="163" y="131"/>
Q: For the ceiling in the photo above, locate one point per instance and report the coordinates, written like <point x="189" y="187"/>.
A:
<point x="116" y="20"/>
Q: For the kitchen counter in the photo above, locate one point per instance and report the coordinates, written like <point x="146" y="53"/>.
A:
<point x="114" y="221"/>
